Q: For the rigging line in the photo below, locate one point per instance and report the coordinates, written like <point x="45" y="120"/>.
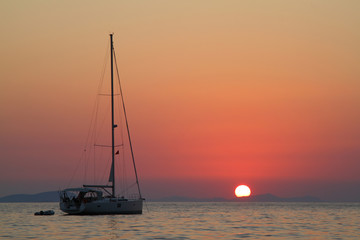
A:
<point x="101" y="125"/>
<point x="94" y="164"/>
<point x="105" y="171"/>
<point x="85" y="169"/>
<point x="93" y="123"/>
<point x="82" y="157"/>
<point x="120" y="163"/>
<point x="99" y="155"/>
<point x="76" y="169"/>
<point x="104" y="67"/>
<point x="94" y="168"/>
<point x="98" y="127"/>
<point x="125" y="190"/>
<point x="96" y="104"/>
<point x="116" y="166"/>
<point x="104" y="155"/>
<point x="124" y="169"/>
<point x="95" y="119"/>
<point x="94" y="134"/>
<point x="127" y="125"/>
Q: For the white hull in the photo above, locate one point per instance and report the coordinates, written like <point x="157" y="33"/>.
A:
<point x="104" y="206"/>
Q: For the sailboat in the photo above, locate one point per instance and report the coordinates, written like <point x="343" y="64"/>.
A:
<point x="102" y="199"/>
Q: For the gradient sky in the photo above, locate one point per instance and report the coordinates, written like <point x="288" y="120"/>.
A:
<point x="219" y="93"/>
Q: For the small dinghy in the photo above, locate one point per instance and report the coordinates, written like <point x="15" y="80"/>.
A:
<point x="48" y="212"/>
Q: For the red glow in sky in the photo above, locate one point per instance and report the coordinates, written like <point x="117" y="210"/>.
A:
<point x="216" y="92"/>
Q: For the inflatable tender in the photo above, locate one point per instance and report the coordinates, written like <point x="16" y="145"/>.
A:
<point x="48" y="212"/>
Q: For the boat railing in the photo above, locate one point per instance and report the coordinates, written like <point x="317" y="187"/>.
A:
<point x="134" y="196"/>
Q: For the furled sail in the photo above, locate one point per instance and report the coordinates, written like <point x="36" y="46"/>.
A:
<point x="111" y="177"/>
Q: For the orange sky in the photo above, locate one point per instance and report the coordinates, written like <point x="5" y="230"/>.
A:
<point x="218" y="93"/>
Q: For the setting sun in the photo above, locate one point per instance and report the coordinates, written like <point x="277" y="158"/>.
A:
<point x="242" y="191"/>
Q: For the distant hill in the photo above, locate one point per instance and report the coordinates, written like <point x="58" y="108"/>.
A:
<point x="39" y="197"/>
<point x="272" y="198"/>
<point x="54" y="197"/>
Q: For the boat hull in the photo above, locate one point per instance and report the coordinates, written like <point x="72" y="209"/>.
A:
<point x="104" y="206"/>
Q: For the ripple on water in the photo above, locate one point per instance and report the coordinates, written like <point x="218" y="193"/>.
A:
<point x="188" y="221"/>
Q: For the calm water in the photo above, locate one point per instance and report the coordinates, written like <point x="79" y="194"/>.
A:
<point x="188" y="221"/>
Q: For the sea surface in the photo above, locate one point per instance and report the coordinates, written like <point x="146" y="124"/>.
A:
<point x="189" y="220"/>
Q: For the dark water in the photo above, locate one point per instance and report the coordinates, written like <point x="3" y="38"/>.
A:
<point x="188" y="221"/>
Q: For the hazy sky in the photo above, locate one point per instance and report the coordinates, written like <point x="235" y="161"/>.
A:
<point x="219" y="93"/>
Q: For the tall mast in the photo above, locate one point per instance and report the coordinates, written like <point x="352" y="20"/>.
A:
<point x="112" y="117"/>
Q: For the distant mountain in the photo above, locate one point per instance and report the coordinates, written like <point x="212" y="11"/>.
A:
<point x="272" y="198"/>
<point x="54" y="197"/>
<point x="39" y="197"/>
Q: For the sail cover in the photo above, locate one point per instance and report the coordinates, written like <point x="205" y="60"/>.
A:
<point x="111" y="177"/>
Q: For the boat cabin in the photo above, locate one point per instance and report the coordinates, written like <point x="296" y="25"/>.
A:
<point x="80" y="195"/>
